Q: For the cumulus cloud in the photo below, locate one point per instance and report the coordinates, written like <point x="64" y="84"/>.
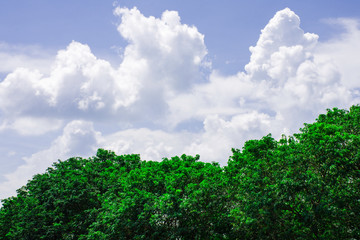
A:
<point x="81" y="85"/>
<point x="160" y="91"/>
<point x="164" y="55"/>
<point x="78" y="83"/>
<point x="284" y="85"/>
<point x="166" y="46"/>
<point x="284" y="60"/>
<point x="282" y="77"/>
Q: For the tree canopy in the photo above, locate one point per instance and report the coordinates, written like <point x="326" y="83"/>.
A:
<point x="305" y="186"/>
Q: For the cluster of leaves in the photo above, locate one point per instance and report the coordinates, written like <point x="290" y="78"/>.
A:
<point x="306" y="186"/>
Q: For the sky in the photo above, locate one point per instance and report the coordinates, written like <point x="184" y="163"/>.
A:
<point x="163" y="78"/>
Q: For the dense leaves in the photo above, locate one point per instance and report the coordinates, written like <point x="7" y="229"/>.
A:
<point x="305" y="186"/>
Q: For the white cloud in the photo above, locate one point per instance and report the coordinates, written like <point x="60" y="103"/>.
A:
<point x="280" y="41"/>
<point x="341" y="51"/>
<point x="32" y="125"/>
<point x="18" y="56"/>
<point x="159" y="91"/>
<point x="283" y="81"/>
<point x="79" y="85"/>
<point x="166" y="46"/>
<point x="221" y="135"/>
<point x="164" y="55"/>
<point x="223" y="95"/>
<point x="151" y="144"/>
<point x="78" y="81"/>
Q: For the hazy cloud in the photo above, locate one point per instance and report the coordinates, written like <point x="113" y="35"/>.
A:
<point x="341" y="51"/>
<point x="78" y="139"/>
<point x="17" y="56"/>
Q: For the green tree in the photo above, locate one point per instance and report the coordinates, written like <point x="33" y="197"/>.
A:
<point x="305" y="186"/>
<point x="64" y="201"/>
<point x="178" y="198"/>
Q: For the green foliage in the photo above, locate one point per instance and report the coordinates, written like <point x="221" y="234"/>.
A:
<point x="305" y="186"/>
<point x="301" y="187"/>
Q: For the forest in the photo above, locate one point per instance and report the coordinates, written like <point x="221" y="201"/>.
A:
<point x="304" y="186"/>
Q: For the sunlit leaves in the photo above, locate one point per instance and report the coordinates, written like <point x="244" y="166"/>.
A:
<point x="305" y="186"/>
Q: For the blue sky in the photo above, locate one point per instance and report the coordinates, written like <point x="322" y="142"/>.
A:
<point x="162" y="78"/>
<point x="229" y="28"/>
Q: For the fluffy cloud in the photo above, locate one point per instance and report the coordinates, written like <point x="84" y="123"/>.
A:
<point x="164" y="55"/>
<point x="283" y="78"/>
<point x="284" y="85"/>
<point x="166" y="47"/>
<point x="284" y="59"/>
<point x="83" y="86"/>
<point x="159" y="103"/>
<point x="282" y="42"/>
<point x="78" y="83"/>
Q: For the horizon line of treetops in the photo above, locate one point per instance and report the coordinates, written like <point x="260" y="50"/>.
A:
<point x="305" y="186"/>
